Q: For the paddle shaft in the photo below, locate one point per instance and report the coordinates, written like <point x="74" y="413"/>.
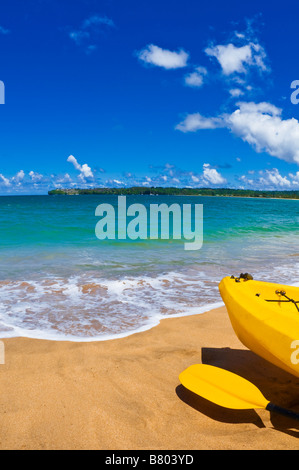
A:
<point x="282" y="411"/>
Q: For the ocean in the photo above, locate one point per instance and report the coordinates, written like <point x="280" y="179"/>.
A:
<point x="59" y="281"/>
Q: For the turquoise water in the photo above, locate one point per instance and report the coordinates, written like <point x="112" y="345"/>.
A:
<point x="58" y="281"/>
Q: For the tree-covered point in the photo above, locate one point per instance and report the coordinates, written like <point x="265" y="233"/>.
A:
<point x="161" y="191"/>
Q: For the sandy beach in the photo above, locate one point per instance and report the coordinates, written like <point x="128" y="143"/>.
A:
<point x="125" y="393"/>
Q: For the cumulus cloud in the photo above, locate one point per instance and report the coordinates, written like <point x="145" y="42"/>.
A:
<point x="247" y="181"/>
<point x="35" y="176"/>
<point x="195" y="179"/>
<point x="18" y="177"/>
<point x="172" y="175"/>
<point x="262" y="126"/>
<point x="211" y="175"/>
<point x="275" y="179"/>
<point x="294" y="177"/>
<point x="85" y="170"/>
<point x="230" y="57"/>
<point x="36" y="183"/>
<point x="269" y="179"/>
<point x="234" y="59"/>
<point x="165" y="58"/>
<point x="195" y="79"/>
<point x="259" y="124"/>
<point x="21" y="182"/>
<point x="63" y="179"/>
<point x="241" y="59"/>
<point x="73" y="160"/>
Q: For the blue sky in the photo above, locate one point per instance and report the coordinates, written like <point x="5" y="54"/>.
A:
<point x="152" y="93"/>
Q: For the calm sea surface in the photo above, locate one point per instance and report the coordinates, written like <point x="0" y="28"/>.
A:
<point x="58" y="281"/>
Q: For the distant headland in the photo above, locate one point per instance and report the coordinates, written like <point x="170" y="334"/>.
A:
<point x="161" y="191"/>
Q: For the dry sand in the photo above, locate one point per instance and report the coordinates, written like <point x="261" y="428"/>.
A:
<point x="125" y="393"/>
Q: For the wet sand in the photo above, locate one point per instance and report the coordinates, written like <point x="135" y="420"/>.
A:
<point x="125" y="393"/>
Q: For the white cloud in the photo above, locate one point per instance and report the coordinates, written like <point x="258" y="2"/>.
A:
<point x="263" y="128"/>
<point x="230" y="57"/>
<point x="85" y="170"/>
<point x="233" y="59"/>
<point x="18" y="177"/>
<point x="195" y="179"/>
<point x="35" y="176"/>
<point x="259" y="56"/>
<point x="195" y="79"/>
<point x="64" y="179"/>
<point x="236" y="92"/>
<point x="247" y="182"/>
<point x="113" y="182"/>
<point x="270" y="179"/>
<point x="195" y="122"/>
<point x="274" y="179"/>
<point x="4" y="180"/>
<point x="73" y="160"/>
<point x="171" y="175"/>
<point x="211" y="175"/>
<point x="258" y="124"/>
<point x="295" y="177"/>
<point x="155" y="55"/>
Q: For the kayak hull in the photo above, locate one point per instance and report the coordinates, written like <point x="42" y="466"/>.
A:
<point x="263" y="321"/>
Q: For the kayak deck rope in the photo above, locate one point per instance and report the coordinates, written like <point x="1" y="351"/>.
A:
<point x="245" y="277"/>
<point x="249" y="277"/>
<point x="283" y="294"/>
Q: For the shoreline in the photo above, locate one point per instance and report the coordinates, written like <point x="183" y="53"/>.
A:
<point x="161" y="195"/>
<point x="155" y="321"/>
<point x="124" y="394"/>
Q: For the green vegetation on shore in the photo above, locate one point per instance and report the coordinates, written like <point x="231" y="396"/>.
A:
<point x="160" y="191"/>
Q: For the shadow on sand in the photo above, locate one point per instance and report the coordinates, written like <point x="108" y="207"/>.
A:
<point x="276" y="385"/>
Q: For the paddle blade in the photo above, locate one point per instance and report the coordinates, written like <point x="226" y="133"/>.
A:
<point x="222" y="387"/>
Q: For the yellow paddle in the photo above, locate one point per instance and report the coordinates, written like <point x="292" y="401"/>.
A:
<point x="227" y="389"/>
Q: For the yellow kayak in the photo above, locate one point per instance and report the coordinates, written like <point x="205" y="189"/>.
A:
<point x="265" y="318"/>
